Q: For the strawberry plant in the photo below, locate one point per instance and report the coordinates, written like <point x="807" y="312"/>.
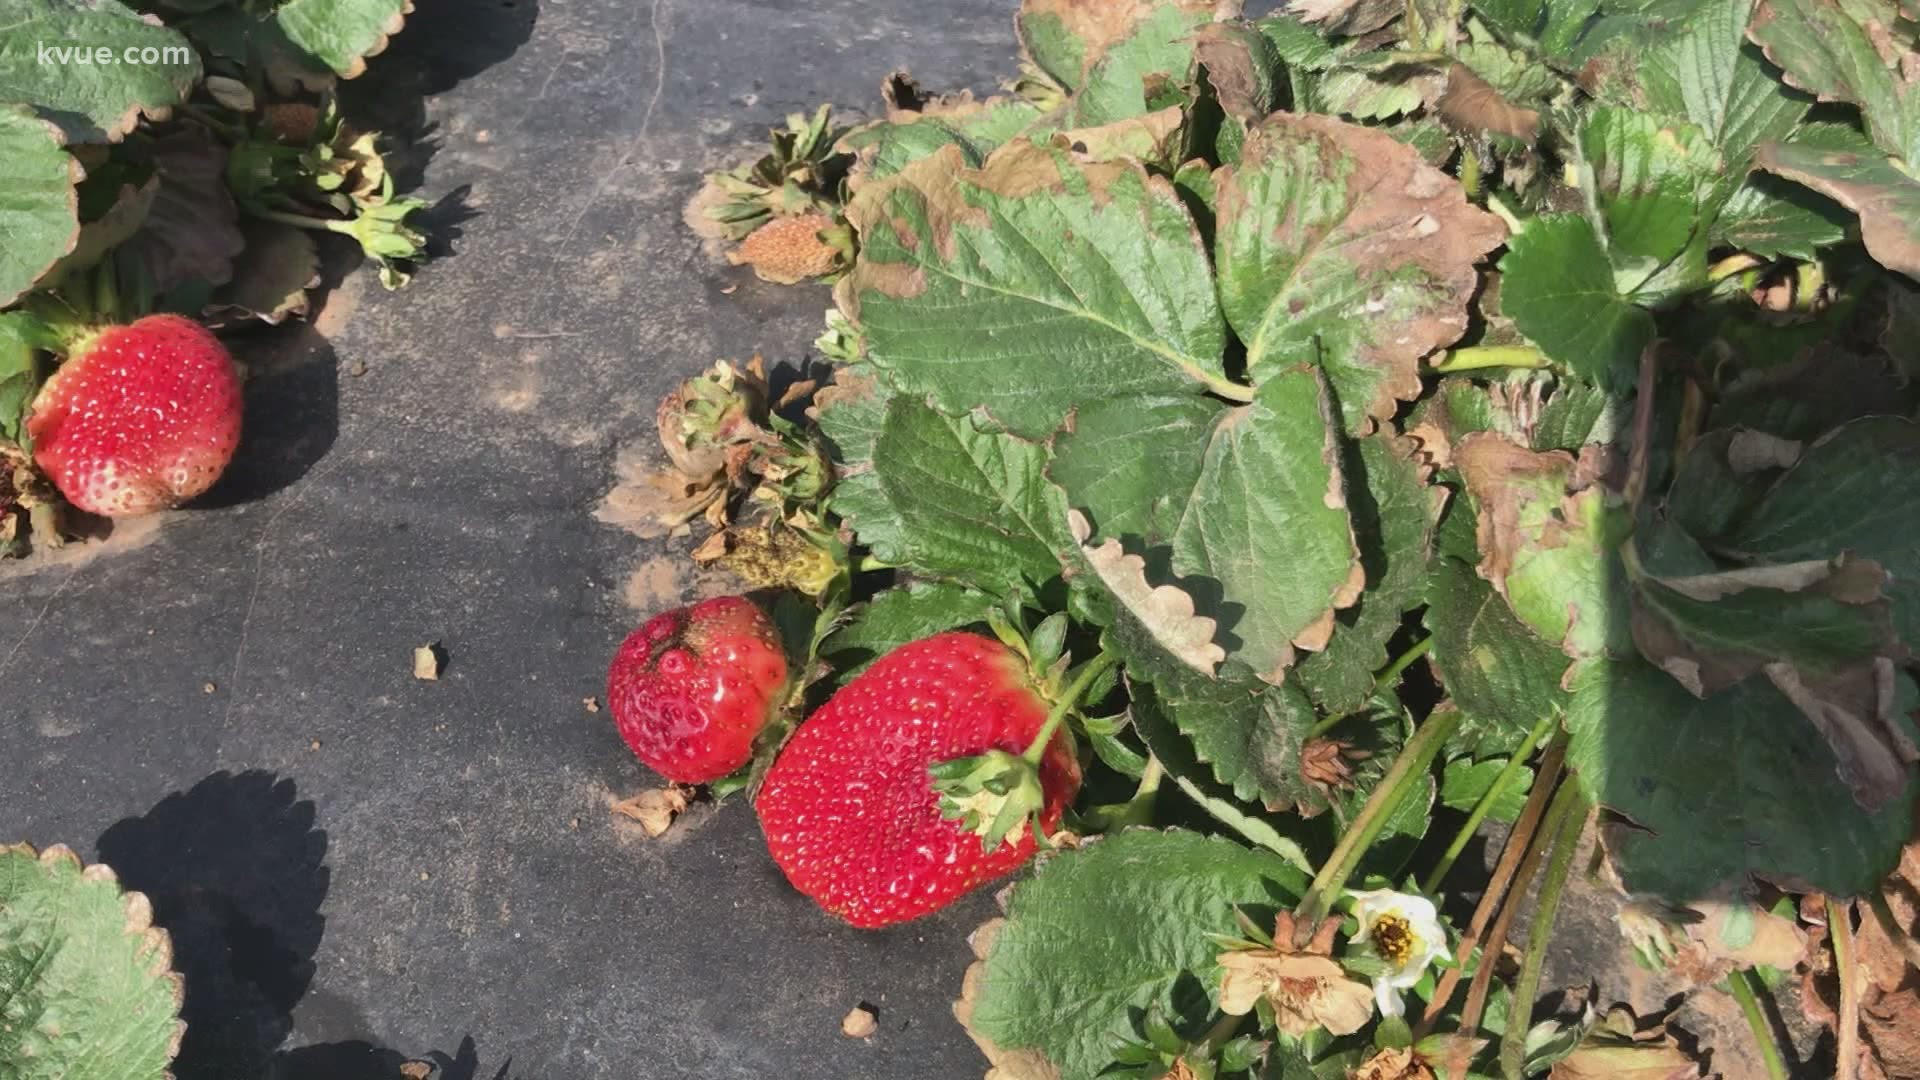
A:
<point x="166" y="157"/>
<point x="1433" y="413"/>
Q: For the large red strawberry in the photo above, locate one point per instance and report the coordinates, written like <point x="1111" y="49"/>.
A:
<point x="140" y="417"/>
<point x="691" y="690"/>
<point x="850" y="808"/>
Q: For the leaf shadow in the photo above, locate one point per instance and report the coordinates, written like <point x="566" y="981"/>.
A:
<point x="235" y="870"/>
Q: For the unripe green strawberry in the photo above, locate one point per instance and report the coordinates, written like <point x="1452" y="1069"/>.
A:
<point x="692" y="689"/>
<point x="140" y="417"/>
<point x="849" y="808"/>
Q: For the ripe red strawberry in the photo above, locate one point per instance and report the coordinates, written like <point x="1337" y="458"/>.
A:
<point x="140" y="417"/>
<point x="849" y="808"/>
<point x="692" y="688"/>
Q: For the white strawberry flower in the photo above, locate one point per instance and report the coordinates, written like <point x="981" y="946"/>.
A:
<point x="1404" y="932"/>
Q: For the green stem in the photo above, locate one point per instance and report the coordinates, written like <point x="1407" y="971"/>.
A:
<point x="1388" y="678"/>
<point x="1390" y="675"/>
<point x="1568" y="816"/>
<point x="1847" y="1026"/>
<point x="302" y="221"/>
<point x="1521" y="754"/>
<point x="1414" y="759"/>
<point x="1149" y="781"/>
<point x="1478" y="357"/>
<point x="1137" y="810"/>
<point x="1219" y="1035"/>
<point x="1095" y="668"/>
<point x="1515" y="224"/>
<point x="1741" y="981"/>
<point x="231" y="132"/>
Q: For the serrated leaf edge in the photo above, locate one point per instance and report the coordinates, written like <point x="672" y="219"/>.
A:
<point x="156" y="945"/>
<point x="1155" y="606"/>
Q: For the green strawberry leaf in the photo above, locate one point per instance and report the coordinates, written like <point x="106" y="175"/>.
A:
<point x="1876" y="187"/>
<point x="886" y="146"/>
<point x="1499" y="673"/>
<point x="1856" y="490"/>
<point x="39" y="209"/>
<point x="1267" y="524"/>
<point x="851" y="413"/>
<point x="106" y="229"/>
<point x="1652" y="185"/>
<point x="1115" y="59"/>
<point x="1097" y="462"/>
<point x="1850" y="51"/>
<point x="1032" y="285"/>
<point x="1338" y="245"/>
<point x="1558" y="287"/>
<point x="1718" y="789"/>
<point x="1178" y="755"/>
<point x="963" y="504"/>
<point x="85" y="975"/>
<point x="1549" y="549"/>
<point x="1394" y="513"/>
<point x="898" y="616"/>
<point x="133" y="67"/>
<point x="1711" y="630"/>
<point x="1246" y="732"/>
<point x="1464" y="783"/>
<point x="1774" y="218"/>
<point x="1705" y="71"/>
<point x="341" y="34"/>
<point x="1121" y="924"/>
<point x="1249" y="502"/>
<point x="21" y="337"/>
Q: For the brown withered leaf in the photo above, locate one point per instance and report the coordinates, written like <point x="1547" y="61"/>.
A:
<point x="1546" y="544"/>
<point x="1346" y="18"/>
<point x="1471" y="104"/>
<point x="1853" y="708"/>
<point x="1338" y="244"/>
<point x="1618" y="1049"/>
<point x="655" y="809"/>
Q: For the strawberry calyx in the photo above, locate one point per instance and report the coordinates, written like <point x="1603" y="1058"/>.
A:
<point x="991" y="793"/>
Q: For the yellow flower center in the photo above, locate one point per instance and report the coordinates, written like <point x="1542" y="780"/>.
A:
<point x="1394" y="939"/>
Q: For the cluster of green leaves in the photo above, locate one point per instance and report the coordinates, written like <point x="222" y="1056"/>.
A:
<point x="1539" y="334"/>
<point x="174" y="156"/>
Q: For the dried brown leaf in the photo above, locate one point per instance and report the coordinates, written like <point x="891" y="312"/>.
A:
<point x="1471" y="104"/>
<point x="655" y="809"/>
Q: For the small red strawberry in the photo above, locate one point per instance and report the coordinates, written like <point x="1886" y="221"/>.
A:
<point x="140" y="417"/>
<point x="692" y="688"/>
<point x="850" y="808"/>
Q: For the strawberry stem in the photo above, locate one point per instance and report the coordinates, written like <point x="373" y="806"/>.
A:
<point x="1069" y="698"/>
<point x="1521" y="755"/>
<point x="1415" y="757"/>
